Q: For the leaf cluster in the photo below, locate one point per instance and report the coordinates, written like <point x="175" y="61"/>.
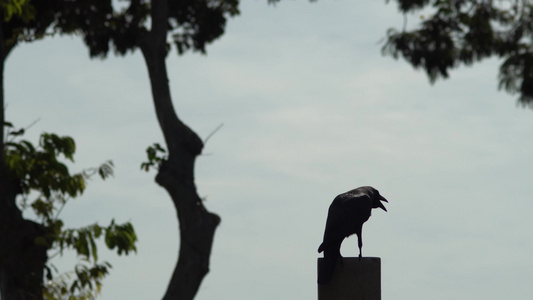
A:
<point x="106" y="24"/>
<point x="19" y="8"/>
<point x="466" y="31"/>
<point x="41" y="170"/>
<point x="194" y="24"/>
<point x="85" y="281"/>
<point x="26" y="20"/>
<point x="155" y="157"/>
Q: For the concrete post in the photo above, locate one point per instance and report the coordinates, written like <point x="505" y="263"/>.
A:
<point x="353" y="279"/>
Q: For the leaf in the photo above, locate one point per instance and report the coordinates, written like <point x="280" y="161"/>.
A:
<point x="159" y="148"/>
<point x="145" y="166"/>
<point x="82" y="246"/>
<point x="48" y="273"/>
<point x="17" y="133"/>
<point x="109" y="241"/>
<point x="97" y="231"/>
<point x="29" y="147"/>
<point x="56" y="227"/>
<point x="94" y="250"/>
<point x="74" y="286"/>
<point x="106" y="169"/>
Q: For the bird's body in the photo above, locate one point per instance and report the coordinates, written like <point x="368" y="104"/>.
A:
<point x="346" y="216"/>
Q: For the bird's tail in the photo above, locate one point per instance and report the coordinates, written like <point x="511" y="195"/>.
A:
<point x="325" y="271"/>
<point x="326" y="268"/>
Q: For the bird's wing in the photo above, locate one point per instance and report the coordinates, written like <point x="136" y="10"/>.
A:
<point x="346" y="213"/>
<point x="332" y="233"/>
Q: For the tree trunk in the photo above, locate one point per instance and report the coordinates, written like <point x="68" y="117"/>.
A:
<point x="196" y="225"/>
<point x="21" y="260"/>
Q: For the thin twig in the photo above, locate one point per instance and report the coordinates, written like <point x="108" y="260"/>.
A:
<point x="32" y="123"/>
<point x="60" y="210"/>
<point x="213" y="132"/>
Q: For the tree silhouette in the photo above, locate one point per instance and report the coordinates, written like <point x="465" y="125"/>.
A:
<point x="24" y="168"/>
<point x="41" y="182"/>
<point x="463" y="32"/>
<point x="154" y="27"/>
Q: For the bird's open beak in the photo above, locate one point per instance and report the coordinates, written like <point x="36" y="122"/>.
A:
<point x="382" y="206"/>
<point x="381" y="198"/>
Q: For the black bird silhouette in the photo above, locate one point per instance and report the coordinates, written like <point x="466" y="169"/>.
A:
<point x="346" y="216"/>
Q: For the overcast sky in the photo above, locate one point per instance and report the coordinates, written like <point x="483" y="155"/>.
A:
<point x="311" y="109"/>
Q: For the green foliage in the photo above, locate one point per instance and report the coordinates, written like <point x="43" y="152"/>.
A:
<point x="21" y="8"/>
<point x="122" y="237"/>
<point x="409" y="5"/>
<point x="155" y="159"/>
<point x="192" y="23"/>
<point x="26" y="20"/>
<point x="41" y="172"/>
<point x="199" y="22"/>
<point x="85" y="281"/>
<point x="467" y="31"/>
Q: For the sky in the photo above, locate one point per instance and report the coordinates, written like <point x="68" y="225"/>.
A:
<point x="310" y="109"/>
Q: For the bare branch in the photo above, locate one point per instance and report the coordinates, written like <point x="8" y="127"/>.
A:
<point x="213" y="133"/>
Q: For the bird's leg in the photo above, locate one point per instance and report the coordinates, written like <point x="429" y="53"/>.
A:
<point x="339" y="256"/>
<point x="360" y="242"/>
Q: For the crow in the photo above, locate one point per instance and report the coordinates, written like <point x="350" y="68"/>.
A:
<point x="346" y="216"/>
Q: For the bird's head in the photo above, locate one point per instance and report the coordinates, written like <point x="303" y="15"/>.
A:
<point x="377" y="198"/>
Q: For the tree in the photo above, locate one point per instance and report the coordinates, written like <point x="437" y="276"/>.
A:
<point x="148" y="26"/>
<point x="21" y="260"/>
<point x="144" y="25"/>
<point x="457" y="32"/>
<point x="24" y="168"/>
<point x="44" y="185"/>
